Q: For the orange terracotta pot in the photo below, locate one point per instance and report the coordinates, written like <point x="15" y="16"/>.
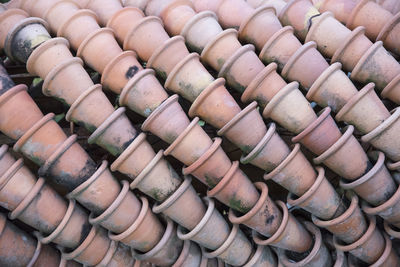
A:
<point x="162" y="61"/>
<point x="280" y="47"/>
<point x="236" y="250"/>
<point x="167" y="121"/>
<point x="73" y="228"/>
<point x="239" y="131"/>
<point x="58" y="82"/>
<point x="176" y="15"/>
<point x="190" y="145"/>
<point x="340" y="8"/>
<point x="92" y="249"/>
<point x="166" y="251"/>
<point x="391" y="90"/>
<point x="241" y="68"/>
<point x="98" y="192"/>
<point x="122" y="212"/>
<point x="290" y="109"/>
<point x="6" y="159"/>
<point x="47" y="56"/>
<point x="36" y="8"/>
<point x="135" y="157"/>
<point x="269" y="152"/>
<point x="41" y="140"/>
<point x="189" y="78"/>
<point x="104" y="9"/>
<point x="211" y="231"/>
<point x="232" y="14"/>
<point x="321" y="134"/>
<point x="84" y="110"/>
<point x="346" y="157"/>
<point x="57" y="14"/>
<point x="99" y="48"/>
<point x="145" y="232"/>
<point x="45" y="255"/>
<point x="143" y="93"/>
<point x="213" y="262"/>
<point x="158" y="8"/>
<point x="388" y="34"/>
<point x="190" y="255"/>
<point x="264" y="86"/>
<point x="294" y="173"/>
<point x="291" y="235"/>
<point x="118" y="255"/>
<point x="140" y="4"/>
<point x="382" y="136"/>
<point x="18" y="112"/>
<point x="115" y="133"/>
<point x="211" y="166"/>
<point x="215" y="105"/>
<point x="181" y="203"/>
<point x="158" y="179"/>
<point x="262" y="257"/>
<point x="78" y="27"/>
<point x="118" y="22"/>
<point x="391" y="5"/>
<point x="305" y="65"/>
<point x="389" y="256"/>
<point x="333" y="88"/>
<point x="119" y="71"/>
<point x="236" y="190"/>
<point x="264" y="217"/>
<point x="8" y="19"/>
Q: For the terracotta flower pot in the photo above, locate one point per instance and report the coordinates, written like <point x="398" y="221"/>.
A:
<point x="35" y="8"/>
<point x="321" y="134"/>
<point x="145" y="232"/>
<point x="348" y="227"/>
<point x="104" y="9"/>
<point x="158" y="179"/>
<point x="8" y="19"/>
<point x="118" y="255"/>
<point x="72" y="230"/>
<point x="47" y="56"/>
<point x="333" y="88"/>
<point x="376" y="186"/>
<point x="24" y="38"/>
<point x="305" y="65"/>
<point x="59" y="85"/>
<point x="352" y="49"/>
<point x="167" y="121"/>
<point x="382" y="136"/>
<point x="389" y="210"/>
<point x="115" y="134"/>
<point x="166" y="251"/>
<point x="166" y="57"/>
<point x="388" y="34"/>
<point x="213" y="262"/>
<point x="328" y="33"/>
<point x="122" y="212"/>
<point x="184" y="206"/>
<point x="262" y="257"/>
<point x="195" y="35"/>
<point x="211" y="231"/>
<point x="6" y="160"/>
<point x="291" y="235"/>
<point x="393" y="232"/>
<point x="391" y="90"/>
<point x="18" y="112"/>
<point x="369" y="247"/>
<point x="99" y="48"/>
<point x="85" y="110"/>
<point x="236" y="250"/>
<point x="190" y="145"/>
<point x="118" y="22"/>
<point x="290" y="109"/>
<point x="389" y="256"/>
<point x="233" y="13"/>
<point x="295" y="173"/>
<point x="241" y="68"/>
<point x="264" y="217"/>
<point x="236" y="190"/>
<point x="145" y="37"/>
<point x="190" y="255"/>
<point x="59" y="12"/>
<point x="45" y="255"/>
<point x="92" y="249"/>
<point x="119" y="71"/>
<point x="215" y="105"/>
<point x="69" y="166"/>
<point x="135" y="157"/>
<point x="78" y="27"/>
<point x="391" y="5"/>
<point x="99" y="191"/>
<point x="341" y="9"/>
<point x="264" y="86"/>
<point x="263" y="17"/>
<point x="269" y="152"/>
<point x="280" y="47"/>
<point x="340" y="259"/>
<point x="319" y="255"/>
<point x="143" y="93"/>
<point x="175" y="15"/>
<point x="189" y="78"/>
<point x="41" y="140"/>
<point x="346" y="157"/>
<point x="299" y="14"/>
<point x="220" y="48"/>
<point x="239" y="131"/>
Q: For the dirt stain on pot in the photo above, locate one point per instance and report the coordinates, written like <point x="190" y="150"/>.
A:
<point x="131" y="72"/>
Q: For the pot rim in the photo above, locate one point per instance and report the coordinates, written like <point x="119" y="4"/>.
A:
<point x="174" y="4"/>
<point x="225" y="180"/>
<point x="3" y="150"/>
<point x="284" y="163"/>
<point x="364" y="58"/>
<point x="256" y="256"/>
<point x="159" y="50"/>
<point x="123" y="10"/>
<point x="37" y="251"/>
<point x="393" y="166"/>
<point x="82" y="247"/>
<point x="13" y="11"/>
<point x="132" y="82"/>
<point x="386" y="205"/>
<point x="92" y="35"/>
<point x="314" y="26"/>
<point x="78" y="13"/>
<point x="159" y="110"/>
<point x="254" y="14"/>
<point x="278" y="97"/>
<point x="79" y="100"/>
<point x="177" y="68"/>
<point x="232" y="59"/>
<point x="180" y="137"/>
<point x="354" y="12"/>
<point x="12" y="92"/>
<point x="47" y="12"/>
<point x="237" y="118"/>
<point x="322" y="79"/>
<point x="184" y="186"/>
<point x="193" y="20"/>
<point x="388" y="27"/>
<point x="386" y="253"/>
<point x="391" y="85"/>
<point x="109" y="255"/>
<point x="142" y="175"/>
<point x="360" y="30"/>
<point x="293" y="59"/>
<point x="184" y="253"/>
<point x="341" y="259"/>
<point x="114" y="62"/>
<point x="273" y="39"/>
<point x="215" y="253"/>
<point x="11" y="171"/>
<point x="212" y="42"/>
<point x="395" y="114"/>
<point x="390" y="231"/>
